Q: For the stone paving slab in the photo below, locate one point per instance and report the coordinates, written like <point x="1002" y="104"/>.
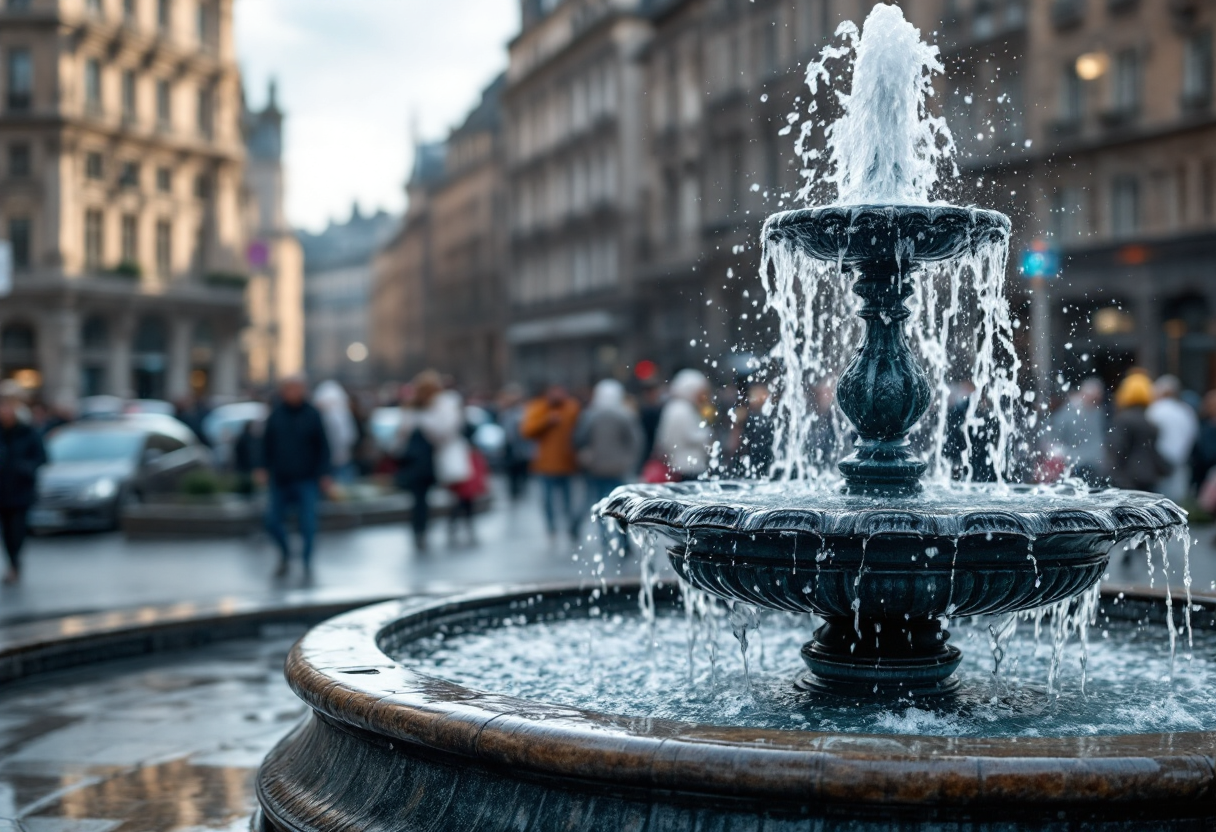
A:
<point x="166" y="743"/>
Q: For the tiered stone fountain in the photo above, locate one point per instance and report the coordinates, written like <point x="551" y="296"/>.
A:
<point x="395" y="743"/>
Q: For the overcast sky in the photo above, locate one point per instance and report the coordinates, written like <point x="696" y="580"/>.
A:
<point x="353" y="75"/>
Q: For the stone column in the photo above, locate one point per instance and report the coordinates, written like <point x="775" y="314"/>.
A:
<point x="181" y="336"/>
<point x="59" y="354"/>
<point x="118" y="368"/>
<point x="225" y="364"/>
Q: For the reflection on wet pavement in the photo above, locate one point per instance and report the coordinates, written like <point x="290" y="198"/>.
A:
<point x="167" y="743"/>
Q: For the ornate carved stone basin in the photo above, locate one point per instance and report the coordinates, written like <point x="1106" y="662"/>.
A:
<point x="855" y="234"/>
<point x="885" y="572"/>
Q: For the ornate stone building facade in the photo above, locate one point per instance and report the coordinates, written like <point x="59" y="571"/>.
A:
<point x="440" y="284"/>
<point x="465" y="325"/>
<point x="1092" y="122"/>
<point x="275" y="336"/>
<point x="574" y="109"/>
<point x="121" y="156"/>
<point x="338" y="284"/>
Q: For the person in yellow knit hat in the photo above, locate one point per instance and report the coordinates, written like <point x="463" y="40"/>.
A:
<point x="1132" y="456"/>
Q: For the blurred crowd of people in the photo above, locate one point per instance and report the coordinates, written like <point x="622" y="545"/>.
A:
<point x="1148" y="435"/>
<point x="303" y="445"/>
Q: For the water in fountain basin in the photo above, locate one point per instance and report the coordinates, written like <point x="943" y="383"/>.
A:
<point x="702" y="680"/>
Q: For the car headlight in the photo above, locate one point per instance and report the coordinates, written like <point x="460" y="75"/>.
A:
<point x="98" y="490"/>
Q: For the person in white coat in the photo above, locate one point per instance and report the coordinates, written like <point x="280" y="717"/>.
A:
<point x="1177" y="428"/>
<point x="683" y="436"/>
<point x="431" y="445"/>
<point x="340" y="429"/>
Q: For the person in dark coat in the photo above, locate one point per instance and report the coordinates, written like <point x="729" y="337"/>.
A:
<point x="1133" y="459"/>
<point x="295" y="467"/>
<point x="21" y="454"/>
<point x="1203" y="454"/>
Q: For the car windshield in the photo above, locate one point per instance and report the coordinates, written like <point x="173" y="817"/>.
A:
<point x="94" y="445"/>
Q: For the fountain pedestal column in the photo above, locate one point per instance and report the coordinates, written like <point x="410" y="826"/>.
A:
<point x="868" y="658"/>
<point x="883" y="391"/>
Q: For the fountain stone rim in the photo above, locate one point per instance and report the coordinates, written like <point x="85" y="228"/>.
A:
<point x="355" y="689"/>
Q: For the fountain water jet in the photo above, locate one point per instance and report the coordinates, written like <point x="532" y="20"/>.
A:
<point x="1000" y="548"/>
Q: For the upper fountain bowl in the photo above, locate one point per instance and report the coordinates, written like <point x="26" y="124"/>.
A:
<point x="910" y="234"/>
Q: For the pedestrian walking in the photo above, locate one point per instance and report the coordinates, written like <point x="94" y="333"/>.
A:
<point x="296" y="467"/>
<point x="609" y="440"/>
<point x="21" y="454"/>
<point x="1133" y="458"/>
<point x="1177" y="427"/>
<point x="341" y="432"/>
<point x="550" y="422"/>
<point x="751" y="436"/>
<point x="683" y="436"/>
<point x="518" y="452"/>
<point x="1078" y="428"/>
<point x="1203" y="454"/>
<point x="432" y="449"/>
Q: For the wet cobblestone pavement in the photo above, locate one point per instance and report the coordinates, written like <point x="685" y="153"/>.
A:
<point x="163" y="743"/>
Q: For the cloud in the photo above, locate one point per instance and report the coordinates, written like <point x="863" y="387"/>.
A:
<point x="353" y="74"/>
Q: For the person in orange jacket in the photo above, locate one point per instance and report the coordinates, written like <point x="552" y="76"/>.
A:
<point x="550" y="422"/>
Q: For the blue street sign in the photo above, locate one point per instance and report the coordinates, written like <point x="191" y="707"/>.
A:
<point x="1044" y="263"/>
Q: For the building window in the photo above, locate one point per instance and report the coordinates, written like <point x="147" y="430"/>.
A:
<point x="17" y="5"/>
<point x="1068" y="220"/>
<point x="95" y="8"/>
<point x="93" y="220"/>
<point x="164" y="111"/>
<point x="19" y="239"/>
<point x="1125" y="87"/>
<point x="20" y="80"/>
<point x="1125" y="206"/>
<point x="202" y="186"/>
<point x="92" y="85"/>
<point x="128" y="95"/>
<point x="1197" y="70"/>
<point x="128" y="11"/>
<point x="204" y="26"/>
<point x="164" y="180"/>
<point x="94" y="166"/>
<point x="129" y="177"/>
<point x="19" y="160"/>
<point x="130" y="238"/>
<point x="163" y="14"/>
<point x="1072" y="96"/>
<point x="164" y="248"/>
<point x="204" y="113"/>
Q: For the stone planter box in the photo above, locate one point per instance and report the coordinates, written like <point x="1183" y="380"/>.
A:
<point x="227" y="515"/>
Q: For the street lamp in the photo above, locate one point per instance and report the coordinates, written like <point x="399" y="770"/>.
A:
<point x="357" y="352"/>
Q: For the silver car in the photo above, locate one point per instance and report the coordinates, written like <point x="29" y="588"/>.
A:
<point x="96" y="466"/>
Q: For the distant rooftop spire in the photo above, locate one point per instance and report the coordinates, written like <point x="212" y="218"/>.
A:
<point x="272" y="94"/>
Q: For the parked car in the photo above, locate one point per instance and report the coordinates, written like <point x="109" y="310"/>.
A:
<point x="96" y="467"/>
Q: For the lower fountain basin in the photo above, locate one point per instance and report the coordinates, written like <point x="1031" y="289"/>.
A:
<point x="389" y="747"/>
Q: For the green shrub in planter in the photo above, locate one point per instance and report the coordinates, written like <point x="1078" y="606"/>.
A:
<point x="202" y="483"/>
<point x="226" y="280"/>
<point x="128" y="269"/>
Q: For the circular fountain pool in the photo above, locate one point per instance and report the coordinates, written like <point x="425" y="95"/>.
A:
<point x="408" y="726"/>
<point x="694" y="672"/>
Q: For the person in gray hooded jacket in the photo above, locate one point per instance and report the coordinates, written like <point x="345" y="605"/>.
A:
<point x="608" y="440"/>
